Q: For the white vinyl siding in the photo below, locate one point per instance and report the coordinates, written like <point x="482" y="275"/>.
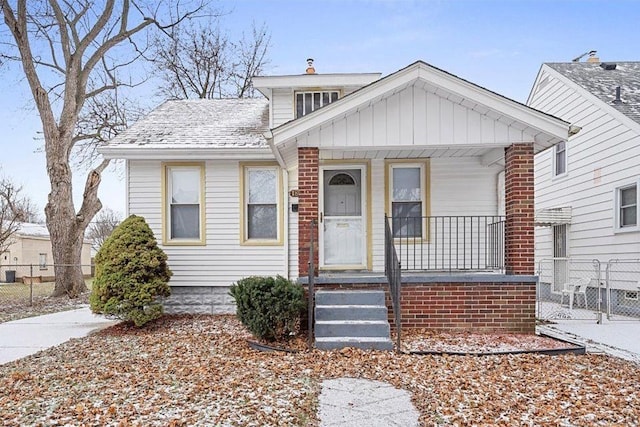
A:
<point x="293" y="226"/>
<point x="223" y="260"/>
<point x="603" y="156"/>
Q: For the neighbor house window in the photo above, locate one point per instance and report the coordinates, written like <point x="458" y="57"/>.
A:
<point x="307" y="102"/>
<point x="42" y="261"/>
<point x="627" y="206"/>
<point x="560" y="159"/>
<point x="407" y="182"/>
<point x="261" y="217"/>
<point x="184" y="210"/>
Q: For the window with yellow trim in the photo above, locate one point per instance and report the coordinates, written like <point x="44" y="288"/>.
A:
<point x="407" y="198"/>
<point x="184" y="202"/>
<point x="261" y="203"/>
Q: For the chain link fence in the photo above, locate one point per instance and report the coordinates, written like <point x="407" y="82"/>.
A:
<point x="582" y="289"/>
<point x="569" y="289"/>
<point x="623" y="289"/>
<point x="23" y="284"/>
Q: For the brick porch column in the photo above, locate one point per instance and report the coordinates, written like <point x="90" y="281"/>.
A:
<point x="519" y="209"/>
<point x="308" y="173"/>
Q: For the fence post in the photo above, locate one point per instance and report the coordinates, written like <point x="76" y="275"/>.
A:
<point x="596" y="264"/>
<point x="31" y="285"/>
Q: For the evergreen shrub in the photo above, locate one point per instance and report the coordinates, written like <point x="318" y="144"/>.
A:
<point x="131" y="273"/>
<point x="269" y="307"/>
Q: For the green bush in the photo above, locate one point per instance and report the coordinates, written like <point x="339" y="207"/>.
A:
<point x="269" y="307"/>
<point x="131" y="272"/>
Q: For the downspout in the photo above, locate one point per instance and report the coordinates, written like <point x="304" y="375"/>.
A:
<point x="285" y="199"/>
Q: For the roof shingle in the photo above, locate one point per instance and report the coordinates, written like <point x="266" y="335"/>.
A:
<point x="199" y="123"/>
<point x="602" y="83"/>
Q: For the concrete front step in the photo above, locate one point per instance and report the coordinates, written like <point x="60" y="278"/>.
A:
<point x="352" y="328"/>
<point x="366" y="343"/>
<point x="356" y="297"/>
<point x="351" y="312"/>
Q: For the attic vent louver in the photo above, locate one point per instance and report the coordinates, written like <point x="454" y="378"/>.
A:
<point x="608" y="65"/>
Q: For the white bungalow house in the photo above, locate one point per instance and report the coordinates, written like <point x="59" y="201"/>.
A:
<point x="587" y="189"/>
<point x="233" y="187"/>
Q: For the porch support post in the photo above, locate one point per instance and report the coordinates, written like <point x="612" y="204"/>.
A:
<point x="519" y="209"/>
<point x="308" y="176"/>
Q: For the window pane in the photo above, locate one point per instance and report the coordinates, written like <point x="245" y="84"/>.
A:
<point x="263" y="222"/>
<point x="628" y="196"/>
<point x="407" y="219"/>
<point x="185" y="185"/>
<point x="561" y="159"/>
<point x="334" y="96"/>
<point x="307" y="103"/>
<point x="325" y="98"/>
<point x="262" y="186"/>
<point x="406" y="184"/>
<point x="316" y="100"/>
<point x="629" y="216"/>
<point x="299" y="105"/>
<point x="185" y="221"/>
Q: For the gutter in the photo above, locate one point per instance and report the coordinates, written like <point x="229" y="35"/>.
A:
<point x="276" y="153"/>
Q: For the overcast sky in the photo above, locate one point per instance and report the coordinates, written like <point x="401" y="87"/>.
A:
<point x="499" y="45"/>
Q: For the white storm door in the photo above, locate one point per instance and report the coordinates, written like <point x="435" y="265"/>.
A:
<point x="342" y="228"/>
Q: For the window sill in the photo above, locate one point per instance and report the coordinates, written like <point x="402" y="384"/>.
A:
<point x="560" y="177"/>
<point x="184" y="243"/>
<point x="624" y="230"/>
<point x="257" y="242"/>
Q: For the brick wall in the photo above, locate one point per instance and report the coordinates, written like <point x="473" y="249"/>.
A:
<point x="307" y="206"/>
<point x="473" y="307"/>
<point x="519" y="209"/>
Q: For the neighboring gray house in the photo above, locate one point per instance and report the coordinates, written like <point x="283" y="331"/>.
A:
<point x="587" y="189"/>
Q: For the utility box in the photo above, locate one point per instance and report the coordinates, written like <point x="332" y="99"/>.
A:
<point x="10" y="276"/>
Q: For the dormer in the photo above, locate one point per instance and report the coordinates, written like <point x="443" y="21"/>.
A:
<point x="294" y="96"/>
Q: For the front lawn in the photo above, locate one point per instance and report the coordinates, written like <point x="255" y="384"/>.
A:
<point x="199" y="370"/>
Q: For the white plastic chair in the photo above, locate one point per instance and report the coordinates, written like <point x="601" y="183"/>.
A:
<point x="573" y="288"/>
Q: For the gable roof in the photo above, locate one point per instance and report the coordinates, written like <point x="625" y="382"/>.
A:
<point x="194" y="125"/>
<point x="602" y="83"/>
<point x="546" y="129"/>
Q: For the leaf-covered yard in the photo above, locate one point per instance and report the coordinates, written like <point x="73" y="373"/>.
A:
<point x="200" y="371"/>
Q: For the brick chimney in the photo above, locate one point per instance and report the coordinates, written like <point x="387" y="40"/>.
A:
<point x="310" y="69"/>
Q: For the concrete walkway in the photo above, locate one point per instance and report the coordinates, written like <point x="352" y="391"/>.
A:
<point x="24" y="337"/>
<point x="351" y="402"/>
<point x="617" y="338"/>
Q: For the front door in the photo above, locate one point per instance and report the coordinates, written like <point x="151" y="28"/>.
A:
<point x="342" y="228"/>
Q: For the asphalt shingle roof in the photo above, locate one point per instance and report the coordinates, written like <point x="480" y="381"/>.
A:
<point x="602" y="83"/>
<point x="197" y="123"/>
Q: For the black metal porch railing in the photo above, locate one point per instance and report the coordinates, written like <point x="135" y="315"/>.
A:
<point x="392" y="271"/>
<point x="311" y="289"/>
<point x="449" y="243"/>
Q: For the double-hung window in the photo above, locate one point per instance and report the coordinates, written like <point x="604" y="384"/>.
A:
<point x="407" y="197"/>
<point x="183" y="203"/>
<point x="627" y="207"/>
<point x="307" y="102"/>
<point x="560" y="159"/>
<point x="261" y="211"/>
